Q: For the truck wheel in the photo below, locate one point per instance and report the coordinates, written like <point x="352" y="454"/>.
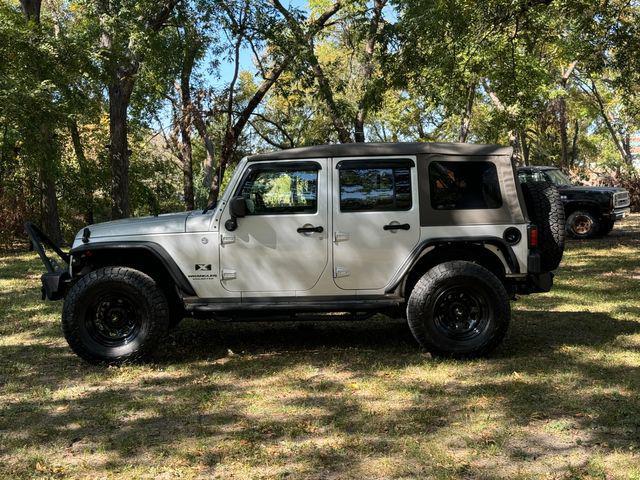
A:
<point x="583" y="224"/>
<point x="459" y="309"/>
<point x="546" y="211"/>
<point x="114" y="315"/>
<point x="606" y="226"/>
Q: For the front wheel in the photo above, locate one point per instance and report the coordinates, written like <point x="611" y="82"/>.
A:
<point x="606" y="226"/>
<point x="114" y="315"/>
<point x="459" y="309"/>
<point x="583" y="224"/>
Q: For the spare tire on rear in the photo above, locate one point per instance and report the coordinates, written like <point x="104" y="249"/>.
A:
<point x="546" y="211"/>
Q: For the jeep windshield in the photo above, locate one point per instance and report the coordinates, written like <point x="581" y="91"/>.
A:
<point x="557" y="177"/>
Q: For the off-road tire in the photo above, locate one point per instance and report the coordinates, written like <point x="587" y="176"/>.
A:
<point x="583" y="224"/>
<point x="425" y="306"/>
<point x="141" y="294"/>
<point x="546" y="211"/>
<point x="606" y="225"/>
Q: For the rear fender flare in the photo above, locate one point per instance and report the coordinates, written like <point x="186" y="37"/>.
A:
<point x="509" y="256"/>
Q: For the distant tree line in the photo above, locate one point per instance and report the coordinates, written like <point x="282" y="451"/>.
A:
<point x="112" y="108"/>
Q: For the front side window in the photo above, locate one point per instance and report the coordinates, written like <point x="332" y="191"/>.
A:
<point x="464" y="185"/>
<point x="272" y="191"/>
<point x="375" y="189"/>
<point x="528" y="176"/>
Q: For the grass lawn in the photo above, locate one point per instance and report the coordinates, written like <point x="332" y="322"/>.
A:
<point x="336" y="400"/>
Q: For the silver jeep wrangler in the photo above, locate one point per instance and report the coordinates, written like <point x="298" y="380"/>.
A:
<point x="442" y="234"/>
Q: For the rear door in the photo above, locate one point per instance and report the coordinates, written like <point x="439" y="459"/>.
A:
<point x="375" y="219"/>
<point x="282" y="244"/>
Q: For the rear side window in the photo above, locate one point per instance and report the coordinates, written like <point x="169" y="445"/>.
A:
<point x="464" y="185"/>
<point x="375" y="189"/>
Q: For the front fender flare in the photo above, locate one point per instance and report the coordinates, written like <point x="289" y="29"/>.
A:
<point x="155" y="249"/>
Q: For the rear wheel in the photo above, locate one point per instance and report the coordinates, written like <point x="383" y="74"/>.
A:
<point x="583" y="224"/>
<point x="115" y="315"/>
<point x="459" y="309"/>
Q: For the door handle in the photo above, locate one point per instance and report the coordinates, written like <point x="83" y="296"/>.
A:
<point x="310" y="230"/>
<point x="397" y="226"/>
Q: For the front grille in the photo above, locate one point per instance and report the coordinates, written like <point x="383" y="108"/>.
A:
<point x="621" y="200"/>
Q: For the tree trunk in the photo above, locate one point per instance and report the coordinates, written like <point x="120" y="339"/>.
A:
<point x="31" y="9"/>
<point x="226" y="155"/>
<point x="368" y="68"/>
<point x="85" y="174"/>
<point x="187" y="166"/>
<point x="326" y="93"/>
<point x="524" y="146"/>
<point x="50" y="216"/>
<point x="465" y="122"/>
<point x="358" y="134"/>
<point x="574" y="145"/>
<point x="47" y="151"/>
<point x="624" y="154"/>
<point x="233" y="133"/>
<point x="122" y="66"/>
<point x="563" y="121"/>
<point x="186" y="120"/>
<point x="561" y="111"/>
<point x="119" y="96"/>
<point x="305" y="40"/>
<point x="210" y="150"/>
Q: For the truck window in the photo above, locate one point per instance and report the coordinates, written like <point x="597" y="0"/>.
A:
<point x="375" y="189"/>
<point x="283" y="191"/>
<point x="464" y="185"/>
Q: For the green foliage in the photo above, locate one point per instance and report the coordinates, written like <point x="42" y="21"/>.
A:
<point x="491" y="71"/>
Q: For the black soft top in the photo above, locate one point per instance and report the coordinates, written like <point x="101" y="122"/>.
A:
<point x="382" y="149"/>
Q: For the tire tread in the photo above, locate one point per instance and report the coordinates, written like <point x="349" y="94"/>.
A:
<point x="425" y="288"/>
<point x="154" y="297"/>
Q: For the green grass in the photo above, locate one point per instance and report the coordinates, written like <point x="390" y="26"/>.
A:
<point x="559" y="400"/>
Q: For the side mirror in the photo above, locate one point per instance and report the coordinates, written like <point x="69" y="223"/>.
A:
<point x="237" y="209"/>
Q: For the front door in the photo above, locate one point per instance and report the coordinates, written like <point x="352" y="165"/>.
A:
<point x="282" y="244"/>
<point x="375" y="218"/>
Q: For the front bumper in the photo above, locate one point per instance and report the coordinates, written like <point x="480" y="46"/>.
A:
<point x="620" y="213"/>
<point x="55" y="285"/>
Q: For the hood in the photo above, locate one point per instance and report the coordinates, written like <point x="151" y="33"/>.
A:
<point x="167" y="223"/>
<point x="574" y="188"/>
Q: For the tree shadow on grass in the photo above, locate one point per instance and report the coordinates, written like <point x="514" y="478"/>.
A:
<point x="209" y="400"/>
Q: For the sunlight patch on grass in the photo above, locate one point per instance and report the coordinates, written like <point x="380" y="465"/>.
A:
<point x="340" y="400"/>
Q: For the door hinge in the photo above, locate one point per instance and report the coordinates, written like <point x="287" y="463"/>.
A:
<point x="228" y="274"/>
<point x="340" y="272"/>
<point x="341" y="236"/>
<point x="225" y="239"/>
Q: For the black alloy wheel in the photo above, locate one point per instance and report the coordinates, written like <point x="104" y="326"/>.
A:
<point x="459" y="309"/>
<point x="461" y="312"/>
<point x="113" y="319"/>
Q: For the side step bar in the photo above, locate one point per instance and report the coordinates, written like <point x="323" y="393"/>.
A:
<point x="299" y="304"/>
